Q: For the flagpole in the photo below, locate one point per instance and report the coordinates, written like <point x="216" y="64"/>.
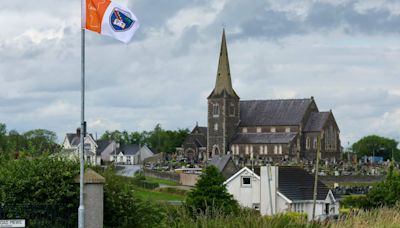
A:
<point x="81" y="209"/>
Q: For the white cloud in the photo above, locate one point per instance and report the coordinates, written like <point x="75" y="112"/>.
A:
<point x="345" y="53"/>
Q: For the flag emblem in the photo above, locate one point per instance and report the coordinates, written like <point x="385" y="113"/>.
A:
<point x="110" y="19"/>
<point x="121" y="20"/>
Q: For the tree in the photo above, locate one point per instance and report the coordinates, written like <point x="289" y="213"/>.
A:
<point x="386" y="192"/>
<point x="41" y="141"/>
<point x="210" y="195"/>
<point x="374" y="144"/>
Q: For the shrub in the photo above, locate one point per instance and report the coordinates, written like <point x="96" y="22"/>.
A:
<point x="123" y="209"/>
<point x="210" y="195"/>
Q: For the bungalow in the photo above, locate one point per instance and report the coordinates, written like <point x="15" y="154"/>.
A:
<point x="131" y="154"/>
<point x="281" y="189"/>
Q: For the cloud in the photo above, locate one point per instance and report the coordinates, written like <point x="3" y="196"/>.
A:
<point x="342" y="52"/>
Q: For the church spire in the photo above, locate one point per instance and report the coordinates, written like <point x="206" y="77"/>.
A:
<point x="224" y="81"/>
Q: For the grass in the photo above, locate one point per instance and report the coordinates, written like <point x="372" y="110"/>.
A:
<point x="161" y="181"/>
<point x="377" y="218"/>
<point x="146" y="194"/>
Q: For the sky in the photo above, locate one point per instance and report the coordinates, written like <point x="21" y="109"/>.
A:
<point x="345" y="53"/>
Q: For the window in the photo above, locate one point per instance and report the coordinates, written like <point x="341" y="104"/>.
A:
<point x="308" y="142"/>
<point x="215" y="127"/>
<point x="251" y="152"/>
<point x="247" y="149"/>
<point x="258" y="129"/>
<point x="232" y="109"/>
<point x="256" y="206"/>
<point x="275" y="149"/>
<point x="244" y="130"/>
<point x="115" y="157"/>
<point x="273" y="129"/>
<point x="265" y="149"/>
<point x="261" y="149"/>
<point x="246" y="181"/>
<point x="287" y="130"/>
<point x="237" y="149"/>
<point x="215" y="110"/>
<point x="280" y="149"/>
<point x="315" y="143"/>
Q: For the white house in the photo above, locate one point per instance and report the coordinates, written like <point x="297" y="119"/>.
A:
<point x="71" y="146"/>
<point x="131" y="154"/>
<point x="245" y="187"/>
<point x="281" y="189"/>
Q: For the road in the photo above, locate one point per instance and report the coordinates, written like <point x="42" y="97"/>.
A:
<point x="128" y="170"/>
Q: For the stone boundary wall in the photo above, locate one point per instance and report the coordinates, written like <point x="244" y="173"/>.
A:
<point x="350" y="179"/>
<point x="162" y="175"/>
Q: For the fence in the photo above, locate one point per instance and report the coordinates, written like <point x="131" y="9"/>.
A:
<point x="40" y="215"/>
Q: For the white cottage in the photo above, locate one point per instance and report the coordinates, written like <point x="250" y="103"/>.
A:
<point x="131" y="154"/>
<point x="282" y="189"/>
<point x="245" y="187"/>
<point x="71" y="146"/>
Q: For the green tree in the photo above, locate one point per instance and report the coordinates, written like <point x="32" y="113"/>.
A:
<point x="4" y="147"/>
<point x="41" y="141"/>
<point x="381" y="146"/>
<point x="210" y="195"/>
<point x="386" y="192"/>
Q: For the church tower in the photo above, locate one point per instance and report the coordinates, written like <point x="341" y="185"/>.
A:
<point x="223" y="107"/>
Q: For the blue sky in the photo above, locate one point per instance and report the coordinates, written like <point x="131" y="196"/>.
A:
<point x="345" y="53"/>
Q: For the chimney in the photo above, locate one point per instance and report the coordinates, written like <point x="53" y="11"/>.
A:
<point x="78" y="131"/>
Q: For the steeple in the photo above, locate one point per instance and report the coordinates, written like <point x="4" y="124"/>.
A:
<point x="224" y="81"/>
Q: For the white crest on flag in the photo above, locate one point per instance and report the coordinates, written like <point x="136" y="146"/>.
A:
<point x="119" y="22"/>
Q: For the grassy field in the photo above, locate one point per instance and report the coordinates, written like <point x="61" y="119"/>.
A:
<point x="146" y="194"/>
<point x="161" y="181"/>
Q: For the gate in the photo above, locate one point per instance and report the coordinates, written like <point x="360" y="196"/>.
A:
<point x="40" y="215"/>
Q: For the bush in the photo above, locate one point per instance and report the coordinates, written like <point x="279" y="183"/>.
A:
<point x="210" y="196"/>
<point x="40" y="181"/>
<point x="123" y="209"/>
<point x="354" y="201"/>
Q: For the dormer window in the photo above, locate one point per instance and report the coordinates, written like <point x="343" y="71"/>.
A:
<point x="215" y="110"/>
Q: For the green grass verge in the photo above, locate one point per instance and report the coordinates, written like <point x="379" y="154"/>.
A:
<point x="157" y="196"/>
<point x="161" y="181"/>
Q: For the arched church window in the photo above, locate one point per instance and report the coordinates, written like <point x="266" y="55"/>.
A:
<point x="215" y="110"/>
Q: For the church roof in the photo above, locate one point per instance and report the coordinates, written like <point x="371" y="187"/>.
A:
<point x="297" y="184"/>
<point x="223" y="84"/>
<point x="263" y="138"/>
<point x="273" y="112"/>
<point x="75" y="139"/>
<point x="316" y="121"/>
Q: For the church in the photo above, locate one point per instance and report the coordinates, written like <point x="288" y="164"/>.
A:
<point x="260" y="131"/>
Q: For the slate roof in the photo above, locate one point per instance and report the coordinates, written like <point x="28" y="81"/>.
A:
<point x="75" y="139"/>
<point x="131" y="149"/>
<point x="101" y="146"/>
<point x="273" y="112"/>
<point x="316" y="121"/>
<point x="220" y="161"/>
<point x="263" y="138"/>
<point x="200" y="139"/>
<point x="297" y="184"/>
